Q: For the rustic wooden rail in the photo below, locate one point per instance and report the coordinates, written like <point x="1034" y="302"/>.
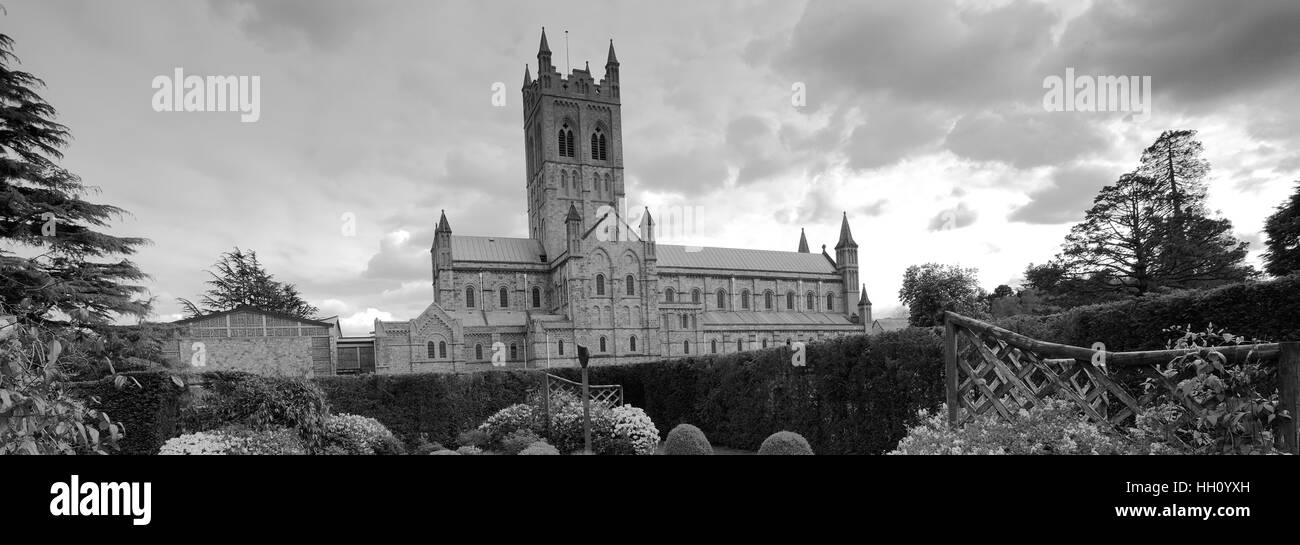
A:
<point x="611" y="395"/>
<point x="991" y="368"/>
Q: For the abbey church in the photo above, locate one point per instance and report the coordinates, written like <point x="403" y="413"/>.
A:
<point x="585" y="276"/>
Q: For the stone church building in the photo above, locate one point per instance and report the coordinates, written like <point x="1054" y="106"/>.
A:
<point x="585" y="276"/>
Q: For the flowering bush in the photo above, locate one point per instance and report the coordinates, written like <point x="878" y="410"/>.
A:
<point x="518" y="440"/>
<point x="236" y="441"/>
<point x="784" y="443"/>
<point x="469" y="450"/>
<point x="358" y="435"/>
<point x="197" y="443"/>
<point x="509" y="420"/>
<point x="540" y="448"/>
<point x="633" y="433"/>
<point x="619" y="430"/>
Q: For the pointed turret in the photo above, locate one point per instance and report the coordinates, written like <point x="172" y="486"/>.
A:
<point x="611" y="72"/>
<point x="803" y="242"/>
<point x="528" y="76"/>
<point x="864" y="310"/>
<point x="440" y="254"/>
<point x="573" y="215"/>
<point x="864" y="300"/>
<point x="648" y="234"/>
<point x="612" y="59"/>
<point x="543" y="48"/>
<point x="846" y="236"/>
<point x="442" y="223"/>
<point x="573" y="230"/>
<point x="543" y="59"/>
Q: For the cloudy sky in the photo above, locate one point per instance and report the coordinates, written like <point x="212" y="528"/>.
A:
<point x="923" y="120"/>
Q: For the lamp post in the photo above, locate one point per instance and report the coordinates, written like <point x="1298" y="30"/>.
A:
<point x="586" y="400"/>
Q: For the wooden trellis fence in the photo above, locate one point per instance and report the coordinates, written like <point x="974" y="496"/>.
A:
<point x="988" y="368"/>
<point x="610" y="395"/>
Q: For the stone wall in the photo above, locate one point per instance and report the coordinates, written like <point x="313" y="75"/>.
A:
<point x="267" y="356"/>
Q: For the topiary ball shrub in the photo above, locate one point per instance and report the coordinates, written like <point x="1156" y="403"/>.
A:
<point x="518" y="440"/>
<point x="358" y="435"/>
<point x="540" y="448"/>
<point x="444" y="453"/>
<point x="784" y="443"/>
<point x="686" y="439"/>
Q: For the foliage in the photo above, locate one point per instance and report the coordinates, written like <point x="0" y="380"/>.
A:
<point x="1283" y="231"/>
<point x="424" y="446"/>
<point x="445" y="452"/>
<point x="930" y="289"/>
<point x="518" y="440"/>
<point x="148" y="414"/>
<point x="567" y="420"/>
<point x="359" y="435"/>
<point x="260" y="403"/>
<point x="241" y="280"/>
<point x="74" y="270"/>
<point x="38" y="413"/>
<point x="510" y="420"/>
<point x="1234" y="416"/>
<point x="633" y="432"/>
<point x="469" y="450"/>
<point x="784" y="443"/>
<point x="236" y="440"/>
<point x="1258" y="309"/>
<point x="473" y="438"/>
<point x="685" y="440"/>
<point x="540" y="448"/>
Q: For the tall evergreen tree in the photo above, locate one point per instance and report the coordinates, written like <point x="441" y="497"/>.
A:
<point x="1283" y="231"/>
<point x="241" y="280"/>
<point x="54" y="259"/>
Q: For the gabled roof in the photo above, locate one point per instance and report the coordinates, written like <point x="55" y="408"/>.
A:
<point x="496" y="249"/>
<point x="742" y="259"/>
<point x="331" y="321"/>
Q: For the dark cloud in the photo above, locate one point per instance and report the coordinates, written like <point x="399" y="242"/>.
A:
<point x="1067" y="198"/>
<point x="891" y="133"/>
<point x="690" y="172"/>
<point x="1026" y="139"/>
<point x="323" y="24"/>
<point x="953" y="218"/>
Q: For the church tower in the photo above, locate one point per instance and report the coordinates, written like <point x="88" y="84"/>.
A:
<point x="846" y="264"/>
<point x="573" y="142"/>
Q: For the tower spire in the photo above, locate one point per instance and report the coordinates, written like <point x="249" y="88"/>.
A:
<point x="612" y="59"/>
<point x="543" y="48"/>
<point x="846" y="236"/>
<point x="528" y="76"/>
<point x="803" y="242"/>
<point x="442" y="223"/>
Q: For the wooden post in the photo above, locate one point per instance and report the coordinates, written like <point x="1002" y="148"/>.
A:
<point x="586" y="412"/>
<point x="546" y="403"/>
<point x="1288" y="387"/>
<point x="950" y="368"/>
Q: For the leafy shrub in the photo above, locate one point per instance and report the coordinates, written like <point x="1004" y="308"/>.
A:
<point x="359" y="435"/>
<point x="510" y="420"/>
<point x="784" y="443"/>
<point x="469" y="450"/>
<point x="239" y="398"/>
<point x="236" y="441"/>
<point x="567" y="418"/>
<point x="686" y="439"/>
<point x="148" y="414"/>
<point x="445" y="452"/>
<point x="518" y="440"/>
<point x="424" y="446"/>
<point x="540" y="448"/>
<point x="473" y="438"/>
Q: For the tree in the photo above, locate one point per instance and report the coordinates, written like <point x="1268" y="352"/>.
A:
<point x="1283" y="231"/>
<point x="932" y="288"/>
<point x="55" y="261"/>
<point x="1174" y="163"/>
<point x="240" y="280"/>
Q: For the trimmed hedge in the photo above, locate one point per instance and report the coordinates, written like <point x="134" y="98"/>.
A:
<point x="150" y="414"/>
<point x="855" y="396"/>
<point x="1268" y="311"/>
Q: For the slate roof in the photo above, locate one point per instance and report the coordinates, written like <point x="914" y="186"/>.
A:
<point x="674" y="256"/>
<point x="716" y="318"/>
<point x="496" y="318"/>
<point x="496" y="249"/>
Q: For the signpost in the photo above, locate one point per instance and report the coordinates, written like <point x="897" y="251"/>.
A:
<point x="586" y="399"/>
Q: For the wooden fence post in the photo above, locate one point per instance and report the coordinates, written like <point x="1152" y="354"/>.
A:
<point x="950" y="368"/>
<point x="1288" y="387"/>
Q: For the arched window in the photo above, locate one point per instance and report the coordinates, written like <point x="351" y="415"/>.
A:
<point x="600" y="284"/>
<point x="695" y="296"/>
<point x="603" y="154"/>
<point x="811" y="302"/>
<point x="564" y="182"/>
<point x="631" y="343"/>
<point x="478" y="351"/>
<point x="631" y="284"/>
<point x="744" y="299"/>
<point x="713" y="346"/>
<point x="686" y="347"/>
<point x="608" y="189"/>
<point x="566" y="141"/>
<point x="602" y="344"/>
<point x="764" y="343"/>
<point x="670" y="295"/>
<point x="505" y="297"/>
<point x="722" y="299"/>
<point x="686" y="322"/>
<point x="514" y="352"/>
<point x="830" y="301"/>
<point x="442" y="349"/>
<point x="595" y="145"/>
<point x="432" y="352"/>
<point x="537" y="297"/>
<point x="561" y="348"/>
<point x="469" y="297"/>
<point x="789" y="300"/>
<point x="767" y="300"/>
<point x="740" y="345"/>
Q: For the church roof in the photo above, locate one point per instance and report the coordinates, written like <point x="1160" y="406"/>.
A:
<point x="496" y="249"/>
<point x="496" y="318"/>
<point x="716" y="318"/>
<point x="742" y="259"/>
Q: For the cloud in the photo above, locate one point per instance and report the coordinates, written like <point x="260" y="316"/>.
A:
<point x="401" y="257"/>
<point x="1025" y="138"/>
<point x="953" y="218"/>
<point x="1067" y="197"/>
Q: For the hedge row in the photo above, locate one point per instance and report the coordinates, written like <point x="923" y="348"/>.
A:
<point x="856" y="395"/>
<point x="1269" y="311"/>
<point x="150" y="414"/>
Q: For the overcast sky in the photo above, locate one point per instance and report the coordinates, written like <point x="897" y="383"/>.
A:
<point x="923" y="121"/>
